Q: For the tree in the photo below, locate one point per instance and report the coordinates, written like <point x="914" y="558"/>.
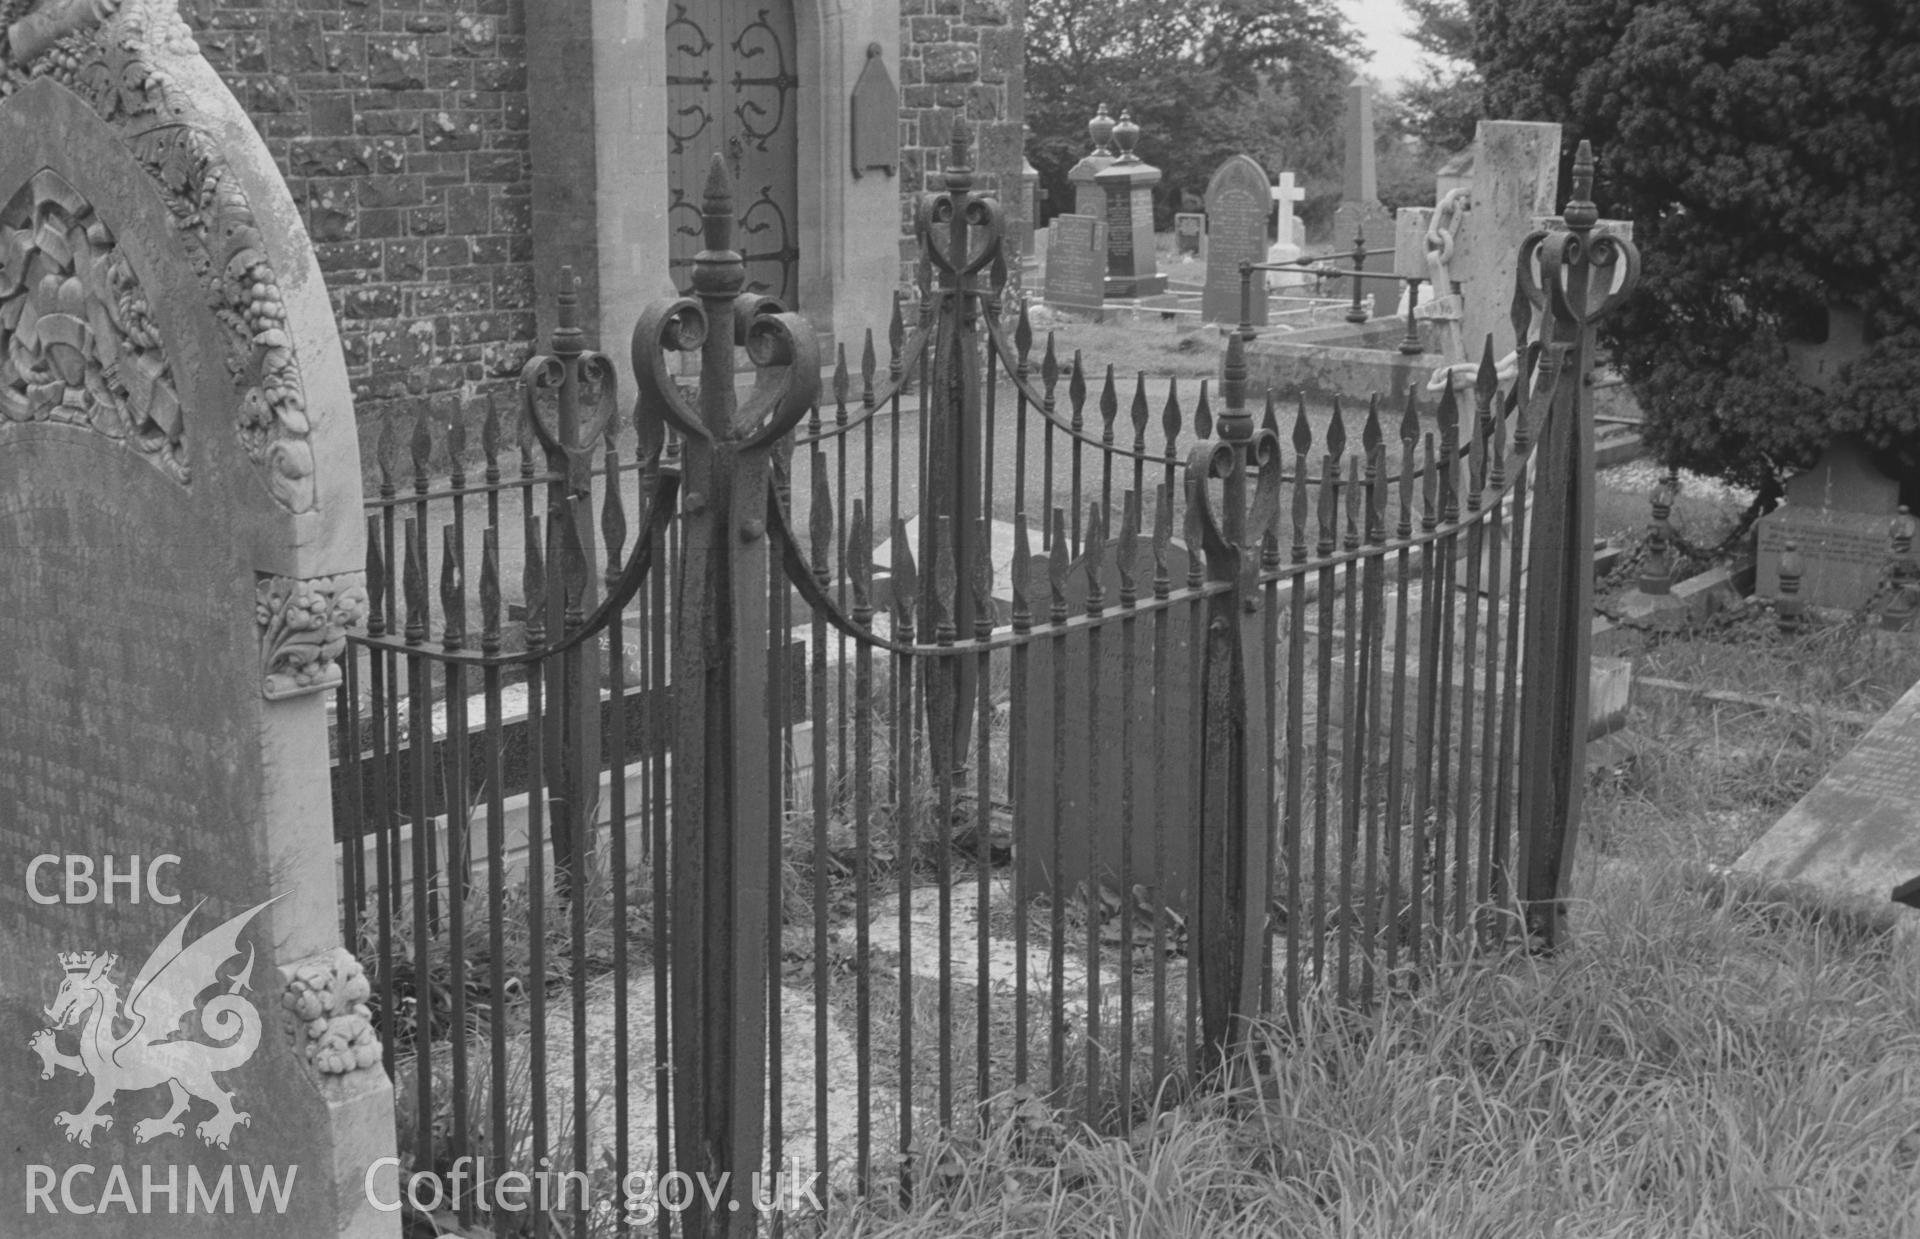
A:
<point x="1765" y="153"/>
<point x="1203" y="80"/>
<point x="1443" y="106"/>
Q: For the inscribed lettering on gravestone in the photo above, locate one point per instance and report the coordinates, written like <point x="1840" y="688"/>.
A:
<point x="1836" y="515"/>
<point x="180" y="557"/>
<point x="1238" y="205"/>
<point x="1076" y="262"/>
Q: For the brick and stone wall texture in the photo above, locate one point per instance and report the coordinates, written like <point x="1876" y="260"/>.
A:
<point x="401" y="127"/>
<point x="965" y="56"/>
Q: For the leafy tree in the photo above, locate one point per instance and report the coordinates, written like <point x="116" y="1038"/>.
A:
<point x="1203" y="80"/>
<point x="1765" y="151"/>
<point x="1444" y="104"/>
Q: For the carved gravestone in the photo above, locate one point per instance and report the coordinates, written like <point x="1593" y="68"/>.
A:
<point x="1836" y="514"/>
<point x="180" y="554"/>
<point x="1076" y="276"/>
<point x="1238" y="204"/>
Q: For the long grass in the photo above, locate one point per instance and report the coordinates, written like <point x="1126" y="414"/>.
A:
<point x="1679" y="1069"/>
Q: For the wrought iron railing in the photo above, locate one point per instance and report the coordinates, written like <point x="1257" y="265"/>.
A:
<point x="987" y="755"/>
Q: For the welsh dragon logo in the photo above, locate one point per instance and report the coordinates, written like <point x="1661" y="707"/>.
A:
<point x="139" y="1045"/>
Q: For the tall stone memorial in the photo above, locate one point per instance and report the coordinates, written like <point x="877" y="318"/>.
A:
<point x="1466" y="245"/>
<point x="180" y="556"/>
<point x="1133" y="267"/>
<point x="1360" y="212"/>
<point x="1238" y="204"/>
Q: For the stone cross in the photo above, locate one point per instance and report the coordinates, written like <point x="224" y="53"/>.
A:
<point x="1284" y="195"/>
<point x="1284" y="248"/>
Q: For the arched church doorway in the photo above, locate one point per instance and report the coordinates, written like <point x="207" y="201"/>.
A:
<point x="732" y="86"/>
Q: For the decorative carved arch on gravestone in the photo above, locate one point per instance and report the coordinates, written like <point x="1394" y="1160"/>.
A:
<point x="85" y="343"/>
<point x="122" y="57"/>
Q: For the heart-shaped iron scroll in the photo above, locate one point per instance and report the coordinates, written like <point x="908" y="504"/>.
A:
<point x="547" y="372"/>
<point x="986" y="225"/>
<point x="1580" y="275"/>
<point x="972" y="227"/>
<point x="677" y="325"/>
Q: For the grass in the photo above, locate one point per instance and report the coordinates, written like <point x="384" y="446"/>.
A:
<point x="1679" y="1069"/>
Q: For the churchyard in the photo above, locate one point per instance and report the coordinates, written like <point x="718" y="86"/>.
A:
<point x="1167" y="733"/>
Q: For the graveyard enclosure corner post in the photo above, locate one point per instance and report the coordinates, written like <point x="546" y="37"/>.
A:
<point x="1582" y="276"/>
<point x="960" y="235"/>
<point x="572" y="743"/>
<point x="1232" y="819"/>
<point x="725" y="888"/>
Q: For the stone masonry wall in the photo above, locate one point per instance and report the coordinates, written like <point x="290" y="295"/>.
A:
<point x="401" y="127"/>
<point x="970" y="56"/>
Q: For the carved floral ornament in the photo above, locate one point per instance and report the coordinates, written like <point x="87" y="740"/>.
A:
<point x="303" y="629"/>
<point x="327" y="999"/>
<point x="77" y="339"/>
<point x="121" y="57"/>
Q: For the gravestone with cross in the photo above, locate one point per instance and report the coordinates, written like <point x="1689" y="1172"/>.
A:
<point x="1360" y="213"/>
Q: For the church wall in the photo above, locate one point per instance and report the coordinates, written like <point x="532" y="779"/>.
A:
<point x="969" y="56"/>
<point x="402" y="129"/>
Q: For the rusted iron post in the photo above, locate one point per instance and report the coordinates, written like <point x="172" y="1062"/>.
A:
<point x="1656" y="573"/>
<point x="1905" y="603"/>
<point x="1410" y="343"/>
<point x="1790" y="610"/>
<point x="1583" y="277"/>
<point x="572" y="740"/>
<point x="1245" y="331"/>
<point x="1235" y="777"/>
<point x="1357" y="313"/>
<point x="960" y="235"/>
<point x="724" y="887"/>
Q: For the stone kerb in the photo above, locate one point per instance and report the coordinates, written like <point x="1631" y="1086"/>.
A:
<point x="179" y="503"/>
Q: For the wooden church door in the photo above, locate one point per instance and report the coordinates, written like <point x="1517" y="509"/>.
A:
<point x="731" y="87"/>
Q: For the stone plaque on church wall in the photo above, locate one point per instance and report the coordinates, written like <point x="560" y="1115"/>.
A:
<point x="180" y="558"/>
<point x="1239" y="204"/>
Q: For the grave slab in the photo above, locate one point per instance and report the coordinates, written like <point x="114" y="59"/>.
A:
<point x="1856" y="835"/>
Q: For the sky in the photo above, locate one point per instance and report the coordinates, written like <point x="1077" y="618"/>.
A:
<point x="1381" y="24"/>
